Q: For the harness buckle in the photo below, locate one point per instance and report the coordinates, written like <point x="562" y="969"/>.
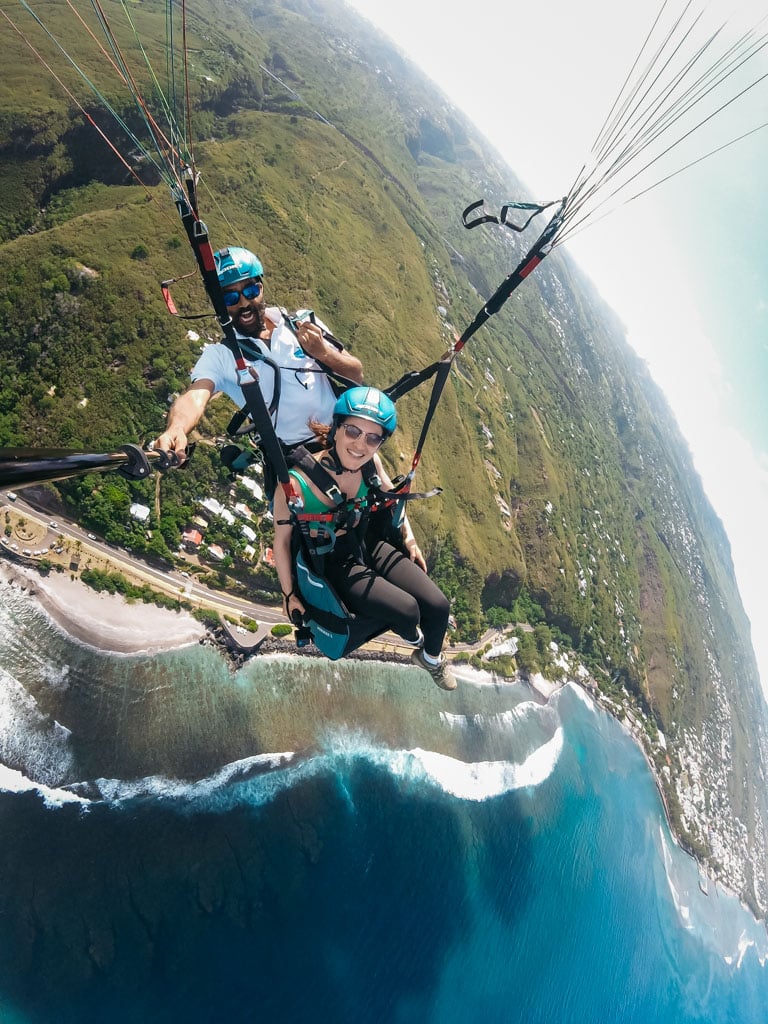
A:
<point x="245" y="374"/>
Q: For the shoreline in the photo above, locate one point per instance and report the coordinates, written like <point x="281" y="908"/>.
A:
<point x="110" y="624"/>
<point x="106" y="622"/>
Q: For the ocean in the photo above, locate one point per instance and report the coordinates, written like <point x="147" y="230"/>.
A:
<point x="301" y="841"/>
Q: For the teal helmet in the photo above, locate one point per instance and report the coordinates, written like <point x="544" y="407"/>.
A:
<point x="235" y="264"/>
<point x="368" y="404"/>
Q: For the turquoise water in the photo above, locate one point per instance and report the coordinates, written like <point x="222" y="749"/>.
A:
<point x="404" y="855"/>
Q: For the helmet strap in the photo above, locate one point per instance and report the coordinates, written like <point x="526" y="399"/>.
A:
<point x="331" y="460"/>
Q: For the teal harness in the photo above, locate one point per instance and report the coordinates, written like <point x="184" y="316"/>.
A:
<point x="354" y="523"/>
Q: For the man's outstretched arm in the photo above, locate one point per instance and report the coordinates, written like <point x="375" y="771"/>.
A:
<point x="184" y="416"/>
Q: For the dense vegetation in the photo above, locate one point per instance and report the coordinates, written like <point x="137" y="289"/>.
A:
<point x="570" y="501"/>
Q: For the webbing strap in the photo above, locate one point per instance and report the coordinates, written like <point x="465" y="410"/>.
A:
<point x="440" y="370"/>
<point x="197" y="233"/>
<point x="503" y="218"/>
<point x="410" y="380"/>
<point x="537" y="252"/>
<point x="259" y="413"/>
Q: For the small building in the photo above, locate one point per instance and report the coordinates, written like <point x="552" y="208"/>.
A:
<point x="212" y="506"/>
<point x="140" y="512"/>
<point x="192" y="539"/>
<point x="216" y="552"/>
<point x="268" y="558"/>
<point x="508" y="646"/>
<point x="227" y="516"/>
<point x="243" y="511"/>
<point x="254" y="487"/>
<point x="248" y="533"/>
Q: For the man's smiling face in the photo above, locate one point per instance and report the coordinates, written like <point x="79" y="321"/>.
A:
<point x="248" y="313"/>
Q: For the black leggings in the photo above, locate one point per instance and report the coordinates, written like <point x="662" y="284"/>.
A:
<point x="392" y="592"/>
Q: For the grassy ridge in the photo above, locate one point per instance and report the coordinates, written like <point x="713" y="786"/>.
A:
<point x="565" y="478"/>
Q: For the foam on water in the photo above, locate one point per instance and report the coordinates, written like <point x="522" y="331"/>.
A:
<point x="480" y="780"/>
<point x="473" y="780"/>
<point x="30" y="738"/>
<point x="12" y="781"/>
<point x="257" y="780"/>
<point x="712" y="917"/>
<point x="254" y="780"/>
<point x="523" y="713"/>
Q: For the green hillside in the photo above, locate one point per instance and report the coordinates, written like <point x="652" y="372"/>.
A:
<point x="567" y="486"/>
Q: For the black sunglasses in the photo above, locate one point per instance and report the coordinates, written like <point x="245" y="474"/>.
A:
<point x="248" y="291"/>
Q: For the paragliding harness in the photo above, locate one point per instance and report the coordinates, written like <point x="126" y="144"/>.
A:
<point x="335" y="630"/>
<point x="236" y="457"/>
<point x="349" y="528"/>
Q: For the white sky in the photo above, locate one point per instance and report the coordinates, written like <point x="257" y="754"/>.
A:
<point x="684" y="267"/>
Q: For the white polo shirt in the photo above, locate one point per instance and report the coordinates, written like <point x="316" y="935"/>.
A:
<point x="304" y="394"/>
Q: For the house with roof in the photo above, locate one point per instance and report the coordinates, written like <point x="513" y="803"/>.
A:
<point x="212" y="506"/>
<point x="192" y="539"/>
<point x="254" y="487"/>
<point x="140" y="512"/>
<point x="243" y="511"/>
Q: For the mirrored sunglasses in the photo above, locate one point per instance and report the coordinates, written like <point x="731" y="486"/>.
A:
<point x="372" y="440"/>
<point x="248" y="291"/>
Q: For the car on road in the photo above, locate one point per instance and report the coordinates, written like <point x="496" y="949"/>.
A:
<point x="91" y="537"/>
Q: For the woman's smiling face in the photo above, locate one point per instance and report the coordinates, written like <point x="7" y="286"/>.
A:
<point x="356" y="441"/>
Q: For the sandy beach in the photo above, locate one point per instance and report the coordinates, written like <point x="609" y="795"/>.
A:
<point x="105" y="621"/>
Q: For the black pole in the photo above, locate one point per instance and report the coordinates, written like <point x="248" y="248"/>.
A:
<point x="22" y="466"/>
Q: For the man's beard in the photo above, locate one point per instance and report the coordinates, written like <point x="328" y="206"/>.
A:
<point x="254" y="327"/>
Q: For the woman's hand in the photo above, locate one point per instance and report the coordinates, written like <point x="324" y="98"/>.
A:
<point x="414" y="552"/>
<point x="292" y="603"/>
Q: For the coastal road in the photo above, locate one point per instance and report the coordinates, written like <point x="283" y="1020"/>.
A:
<point x="172" y="582"/>
<point x="169" y="581"/>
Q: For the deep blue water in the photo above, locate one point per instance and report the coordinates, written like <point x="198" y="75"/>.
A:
<point x="409" y="857"/>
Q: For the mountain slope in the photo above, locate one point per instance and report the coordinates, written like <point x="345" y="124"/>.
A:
<point x="566" y="481"/>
